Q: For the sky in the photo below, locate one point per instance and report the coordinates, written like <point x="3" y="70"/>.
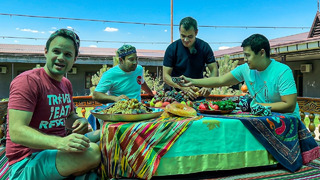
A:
<point x="219" y="14"/>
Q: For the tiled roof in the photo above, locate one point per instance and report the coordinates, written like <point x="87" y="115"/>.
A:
<point x="18" y="48"/>
<point x="283" y="41"/>
<point x="310" y="36"/>
<point x="315" y="29"/>
<point x="84" y="51"/>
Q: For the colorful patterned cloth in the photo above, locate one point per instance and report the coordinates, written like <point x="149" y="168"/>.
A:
<point x="4" y="164"/>
<point x="134" y="149"/>
<point x="284" y="136"/>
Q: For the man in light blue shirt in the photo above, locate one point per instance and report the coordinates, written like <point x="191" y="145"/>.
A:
<point x="123" y="81"/>
<point x="269" y="82"/>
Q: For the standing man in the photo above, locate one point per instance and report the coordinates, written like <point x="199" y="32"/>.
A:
<point x="269" y="82"/>
<point x="40" y="103"/>
<point x="188" y="56"/>
<point x="123" y="81"/>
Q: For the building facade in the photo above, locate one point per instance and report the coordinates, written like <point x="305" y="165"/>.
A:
<point x="15" y="59"/>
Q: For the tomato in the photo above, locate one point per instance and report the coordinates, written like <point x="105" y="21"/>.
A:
<point x="215" y="107"/>
<point x="202" y="106"/>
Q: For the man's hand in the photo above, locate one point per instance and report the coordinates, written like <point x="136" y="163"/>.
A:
<point x="189" y="92"/>
<point x="205" y="92"/>
<point x="80" y="126"/>
<point x="74" y="143"/>
<point x="185" y="81"/>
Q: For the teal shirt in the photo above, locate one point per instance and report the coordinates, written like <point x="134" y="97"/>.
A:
<point x="268" y="85"/>
<point x="116" y="82"/>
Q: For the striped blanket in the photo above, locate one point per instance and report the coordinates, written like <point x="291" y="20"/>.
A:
<point x="135" y="149"/>
<point x="4" y="164"/>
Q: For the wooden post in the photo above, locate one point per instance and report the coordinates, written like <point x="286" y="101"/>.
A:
<point x="1" y="131"/>
<point x="171" y="21"/>
<point x="302" y="116"/>
<point x="312" y="126"/>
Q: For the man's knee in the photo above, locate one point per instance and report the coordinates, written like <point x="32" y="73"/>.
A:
<point x="94" y="154"/>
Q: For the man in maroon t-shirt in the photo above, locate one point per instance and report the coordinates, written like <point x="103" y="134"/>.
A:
<point x="40" y="103"/>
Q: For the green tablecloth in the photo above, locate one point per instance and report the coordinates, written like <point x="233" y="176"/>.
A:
<point x="212" y="144"/>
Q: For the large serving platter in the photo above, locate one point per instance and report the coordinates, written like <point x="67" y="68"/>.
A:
<point x="215" y="111"/>
<point x="156" y="112"/>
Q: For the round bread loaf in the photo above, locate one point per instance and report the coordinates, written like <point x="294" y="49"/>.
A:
<point x="181" y="110"/>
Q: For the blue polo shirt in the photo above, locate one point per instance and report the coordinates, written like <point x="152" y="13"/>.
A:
<point x="184" y="63"/>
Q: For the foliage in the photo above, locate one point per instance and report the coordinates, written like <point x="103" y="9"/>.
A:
<point x="225" y="90"/>
<point x="225" y="66"/>
<point x="155" y="84"/>
<point x="37" y="66"/>
<point x="96" y="78"/>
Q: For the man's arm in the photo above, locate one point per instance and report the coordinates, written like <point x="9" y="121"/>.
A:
<point x="167" y="77"/>
<point x="287" y="104"/>
<point x="213" y="67"/>
<point x="226" y="80"/>
<point x="22" y="133"/>
<point x="105" y="98"/>
<point x="146" y="88"/>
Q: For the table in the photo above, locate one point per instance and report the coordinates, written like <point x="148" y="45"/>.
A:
<point x="181" y="146"/>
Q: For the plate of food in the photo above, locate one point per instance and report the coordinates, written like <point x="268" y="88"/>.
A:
<point x="126" y="111"/>
<point x="215" y="111"/>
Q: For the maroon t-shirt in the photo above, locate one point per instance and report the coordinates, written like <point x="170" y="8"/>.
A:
<point x="49" y="100"/>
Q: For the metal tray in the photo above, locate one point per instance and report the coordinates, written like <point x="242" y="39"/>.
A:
<point x="156" y="112"/>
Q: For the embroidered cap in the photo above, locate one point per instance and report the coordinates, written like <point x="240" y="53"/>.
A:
<point x="125" y="50"/>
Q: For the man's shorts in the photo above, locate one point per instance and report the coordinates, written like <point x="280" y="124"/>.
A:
<point x="39" y="165"/>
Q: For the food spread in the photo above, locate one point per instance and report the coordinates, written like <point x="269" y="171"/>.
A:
<point x="131" y="106"/>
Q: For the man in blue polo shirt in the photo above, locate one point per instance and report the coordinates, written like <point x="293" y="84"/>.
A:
<point x="188" y="56"/>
